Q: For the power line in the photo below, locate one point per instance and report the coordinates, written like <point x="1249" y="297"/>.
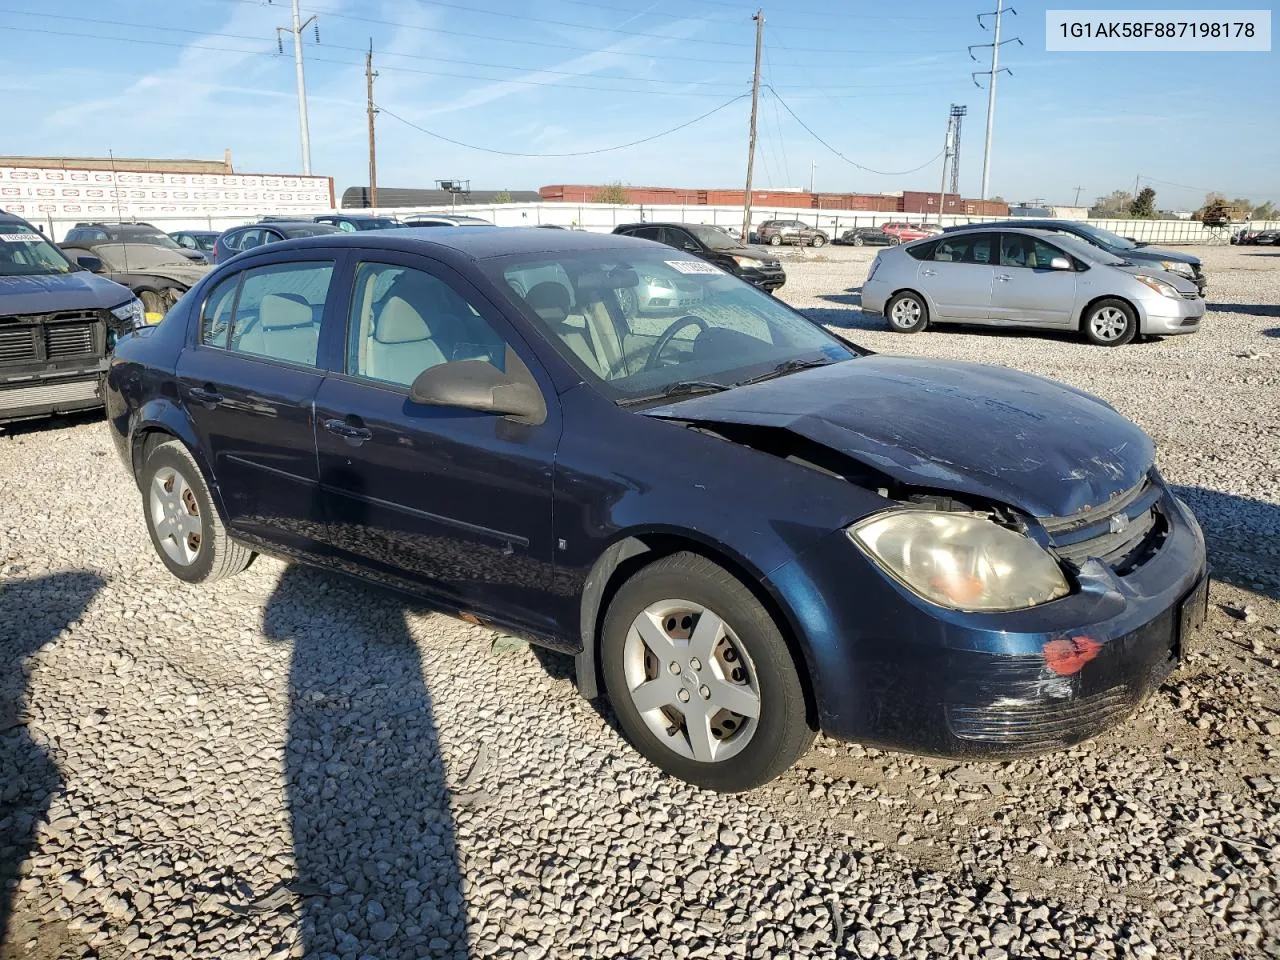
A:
<point x="576" y="153"/>
<point x="392" y="69"/>
<point x="854" y="163"/>
<point x="633" y="33"/>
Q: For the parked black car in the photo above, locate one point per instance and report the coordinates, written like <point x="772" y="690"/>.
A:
<point x="58" y="322"/>
<point x="777" y="232"/>
<point x="201" y="240"/>
<point x="743" y="528"/>
<point x="758" y="267"/>
<point x="239" y="239"/>
<point x="355" y="222"/>
<point x="1175" y="261"/>
<point x="90" y="235"/>
<point x="867" y="237"/>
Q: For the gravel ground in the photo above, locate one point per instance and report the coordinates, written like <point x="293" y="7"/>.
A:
<point x="287" y="763"/>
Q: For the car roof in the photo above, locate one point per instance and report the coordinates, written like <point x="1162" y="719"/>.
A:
<point x="986" y="227"/>
<point x="468" y="243"/>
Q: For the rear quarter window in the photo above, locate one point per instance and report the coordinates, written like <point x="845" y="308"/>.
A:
<point x="923" y="251"/>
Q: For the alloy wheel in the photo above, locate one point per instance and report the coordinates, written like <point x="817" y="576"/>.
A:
<point x="906" y="312"/>
<point x="691" y="680"/>
<point x="1109" y="323"/>
<point x="175" y="516"/>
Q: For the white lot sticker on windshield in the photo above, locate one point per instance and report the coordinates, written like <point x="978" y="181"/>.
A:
<point x="20" y="238"/>
<point x="693" y="266"/>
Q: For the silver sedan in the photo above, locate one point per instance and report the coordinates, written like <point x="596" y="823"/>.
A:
<point x="1028" y="278"/>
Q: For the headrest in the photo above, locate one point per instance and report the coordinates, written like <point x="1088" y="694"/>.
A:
<point x="281" y="310"/>
<point x="399" y="322"/>
<point x="550" y="301"/>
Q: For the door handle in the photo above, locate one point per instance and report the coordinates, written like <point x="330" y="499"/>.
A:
<point x="928" y="273"/>
<point x="350" y="432"/>
<point x="1003" y="276"/>
<point x="206" y="395"/>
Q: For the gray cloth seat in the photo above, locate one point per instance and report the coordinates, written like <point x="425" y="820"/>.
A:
<point x="401" y="346"/>
<point x="286" y="329"/>
<point x="551" y="302"/>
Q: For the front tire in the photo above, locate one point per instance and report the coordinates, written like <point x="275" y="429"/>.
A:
<point x="1109" y="323"/>
<point x="700" y="677"/>
<point x="858" y="241"/>
<point x="906" y="312"/>
<point x="186" y="531"/>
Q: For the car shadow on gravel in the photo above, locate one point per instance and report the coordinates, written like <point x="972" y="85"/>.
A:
<point x="32" y="614"/>
<point x="58" y="421"/>
<point x="1242" y="536"/>
<point x="1251" y="309"/>
<point x="373" y="835"/>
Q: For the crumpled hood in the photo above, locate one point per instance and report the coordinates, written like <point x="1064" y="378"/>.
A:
<point x="1041" y="446"/>
<point x="68" y="291"/>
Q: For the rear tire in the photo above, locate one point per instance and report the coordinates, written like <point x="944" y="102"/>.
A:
<point x="906" y="312"/>
<point x="186" y="531"/>
<point x="1109" y="323"/>
<point x="667" y="681"/>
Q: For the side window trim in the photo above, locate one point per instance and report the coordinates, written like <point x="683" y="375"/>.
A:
<point x="200" y="342"/>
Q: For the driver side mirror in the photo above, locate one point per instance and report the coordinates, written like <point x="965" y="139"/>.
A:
<point x="1060" y="263"/>
<point x="92" y="264"/>
<point x="479" y="385"/>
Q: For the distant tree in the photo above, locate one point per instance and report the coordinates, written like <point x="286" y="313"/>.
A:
<point x="1264" y="211"/>
<point x="502" y="196"/>
<point x="1144" y="204"/>
<point x="613" y="193"/>
<point x="1114" y="204"/>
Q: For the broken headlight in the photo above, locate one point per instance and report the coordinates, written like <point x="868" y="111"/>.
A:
<point x="960" y="560"/>
<point x="131" y="313"/>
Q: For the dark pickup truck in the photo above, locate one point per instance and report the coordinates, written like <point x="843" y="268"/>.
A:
<point x="58" y="323"/>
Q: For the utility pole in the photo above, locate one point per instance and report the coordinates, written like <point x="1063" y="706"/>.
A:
<point x="304" y="126"/>
<point x="958" y="113"/>
<point x="751" y="142"/>
<point x="946" y="155"/>
<point x="995" y="70"/>
<point x="1136" y="181"/>
<point x="373" y="147"/>
<point x="1078" y="189"/>
<point x="813" y="166"/>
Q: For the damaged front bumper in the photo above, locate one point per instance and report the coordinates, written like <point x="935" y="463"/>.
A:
<point x="892" y="670"/>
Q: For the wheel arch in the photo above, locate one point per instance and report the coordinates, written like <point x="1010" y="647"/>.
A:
<point x="636" y="549"/>
<point x="159" y="421"/>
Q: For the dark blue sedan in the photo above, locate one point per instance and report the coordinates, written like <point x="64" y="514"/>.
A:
<point x="744" y="529"/>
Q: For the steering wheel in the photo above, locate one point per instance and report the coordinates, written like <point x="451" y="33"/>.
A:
<point x="668" y="335"/>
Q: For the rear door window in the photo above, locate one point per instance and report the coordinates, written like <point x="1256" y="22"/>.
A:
<point x="278" y="312"/>
<point x="976" y="248"/>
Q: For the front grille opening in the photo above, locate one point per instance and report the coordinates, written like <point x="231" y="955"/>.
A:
<point x="1123" y="533"/>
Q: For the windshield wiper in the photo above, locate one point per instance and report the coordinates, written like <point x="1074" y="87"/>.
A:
<point x="787" y="366"/>
<point x="681" y="388"/>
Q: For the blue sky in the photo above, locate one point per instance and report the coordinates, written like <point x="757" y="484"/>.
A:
<point x="874" y="80"/>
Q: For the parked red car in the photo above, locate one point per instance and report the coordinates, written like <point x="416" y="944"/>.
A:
<point x="906" y="232"/>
